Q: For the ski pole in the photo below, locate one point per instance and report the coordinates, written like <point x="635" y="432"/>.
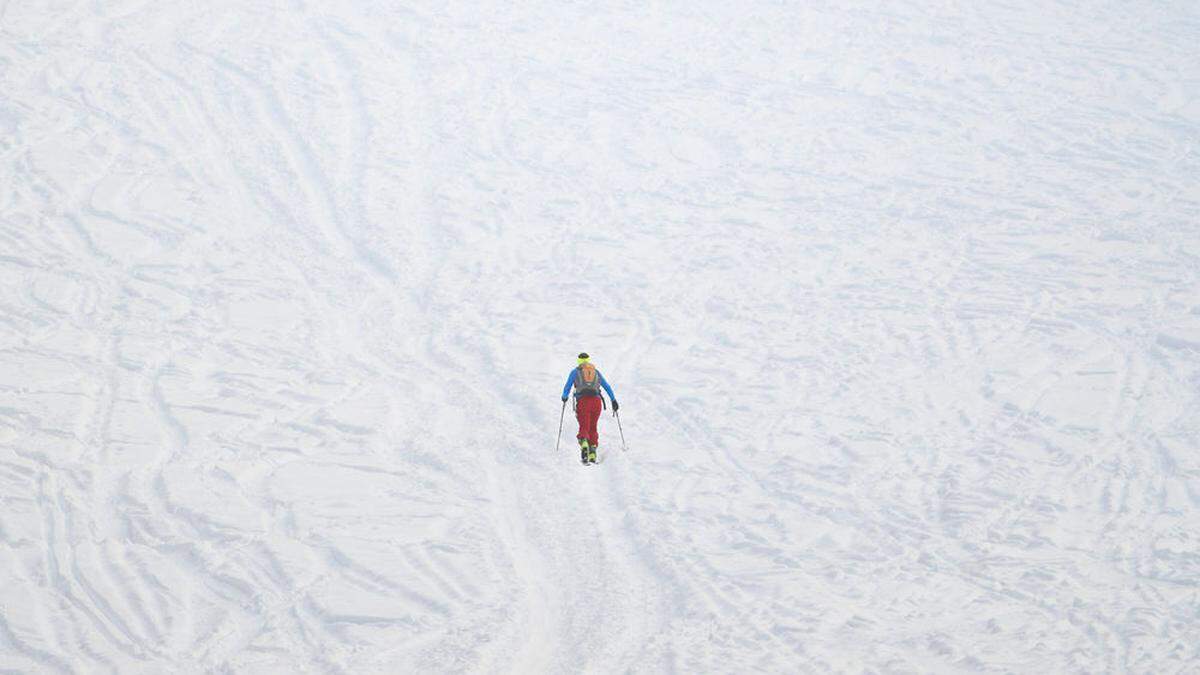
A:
<point x="618" y="416"/>
<point x="560" y="421"/>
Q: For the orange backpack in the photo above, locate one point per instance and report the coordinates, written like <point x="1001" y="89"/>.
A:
<point x="587" y="380"/>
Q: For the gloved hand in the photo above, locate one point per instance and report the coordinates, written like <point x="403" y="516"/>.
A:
<point x="564" y="399"/>
<point x="616" y="406"/>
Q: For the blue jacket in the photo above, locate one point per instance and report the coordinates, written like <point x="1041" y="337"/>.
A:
<point x="571" y="383"/>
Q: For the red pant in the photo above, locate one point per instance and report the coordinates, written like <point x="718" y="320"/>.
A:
<point x="587" y="411"/>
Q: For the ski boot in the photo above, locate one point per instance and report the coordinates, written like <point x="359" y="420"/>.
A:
<point x="592" y="454"/>
<point x="583" y="450"/>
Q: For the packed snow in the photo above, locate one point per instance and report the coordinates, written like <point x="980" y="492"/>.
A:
<point x="901" y="303"/>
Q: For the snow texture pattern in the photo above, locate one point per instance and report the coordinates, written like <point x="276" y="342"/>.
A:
<point x="903" y="300"/>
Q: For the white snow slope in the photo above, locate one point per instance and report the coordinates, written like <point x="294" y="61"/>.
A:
<point x="901" y="302"/>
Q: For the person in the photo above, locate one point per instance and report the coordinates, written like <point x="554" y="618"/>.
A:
<point x="587" y="381"/>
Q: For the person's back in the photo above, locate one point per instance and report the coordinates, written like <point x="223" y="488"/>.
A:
<point x="588" y="382"/>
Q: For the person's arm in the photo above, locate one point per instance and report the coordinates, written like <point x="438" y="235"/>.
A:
<point x="604" y="383"/>
<point x="570" y="383"/>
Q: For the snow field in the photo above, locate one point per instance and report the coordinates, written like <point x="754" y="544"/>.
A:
<point x="901" y="302"/>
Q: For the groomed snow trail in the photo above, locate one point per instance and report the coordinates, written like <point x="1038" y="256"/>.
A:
<point x="902" y="305"/>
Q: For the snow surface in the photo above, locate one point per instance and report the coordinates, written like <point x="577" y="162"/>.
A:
<point x="901" y="301"/>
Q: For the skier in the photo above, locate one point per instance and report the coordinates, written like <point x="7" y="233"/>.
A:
<point x="587" y="380"/>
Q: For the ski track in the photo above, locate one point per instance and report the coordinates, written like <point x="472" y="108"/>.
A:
<point x="901" y="306"/>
